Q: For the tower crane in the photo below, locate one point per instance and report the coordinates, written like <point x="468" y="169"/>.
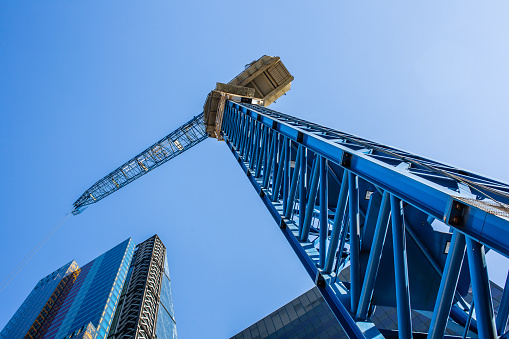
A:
<point x="359" y="215"/>
<point x="265" y="78"/>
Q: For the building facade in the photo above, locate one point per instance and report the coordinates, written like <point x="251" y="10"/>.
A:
<point x="39" y="303"/>
<point x="145" y="309"/>
<point x="94" y="295"/>
<point x="123" y="285"/>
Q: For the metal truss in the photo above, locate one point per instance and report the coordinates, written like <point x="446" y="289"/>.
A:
<point x="346" y="202"/>
<point x="175" y="143"/>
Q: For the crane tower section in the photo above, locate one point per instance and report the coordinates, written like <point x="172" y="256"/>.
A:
<point x="360" y="216"/>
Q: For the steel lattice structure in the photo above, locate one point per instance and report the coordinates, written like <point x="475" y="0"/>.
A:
<point x="342" y="200"/>
<point x="175" y="143"/>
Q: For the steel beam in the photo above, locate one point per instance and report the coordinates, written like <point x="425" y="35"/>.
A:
<point x="324" y="210"/>
<point x="281" y="167"/>
<point x="286" y="174"/>
<point x="293" y="185"/>
<point x="400" y="176"/>
<point x="259" y="160"/>
<point x="481" y="289"/>
<point x="355" y="234"/>
<point x="302" y="188"/>
<point x="374" y="256"/>
<point x="401" y="270"/>
<point x="448" y="285"/>
<point x="291" y="233"/>
<point x="337" y="224"/>
<point x="311" y="200"/>
<point x="379" y="168"/>
<point x="503" y="309"/>
<point x="267" y="170"/>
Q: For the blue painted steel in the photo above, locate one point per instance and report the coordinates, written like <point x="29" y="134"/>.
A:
<point x="286" y="178"/>
<point x="469" y="319"/>
<point x="243" y="136"/>
<point x="503" y="309"/>
<point x="414" y="185"/>
<point x="302" y="188"/>
<point x="177" y="142"/>
<point x="462" y="318"/>
<point x="291" y="233"/>
<point x="281" y="167"/>
<point x="481" y="289"/>
<point x="324" y="210"/>
<point x="248" y="138"/>
<point x="375" y="167"/>
<point x="311" y="201"/>
<point x="266" y="149"/>
<point x="275" y="159"/>
<point x="430" y="259"/>
<point x="259" y="160"/>
<point x="355" y="270"/>
<point x="348" y="324"/>
<point x="337" y="223"/>
<point x="374" y="256"/>
<point x="293" y="186"/>
<point x="447" y="286"/>
<point x="401" y="270"/>
<point x="254" y="146"/>
<point x="262" y="140"/>
<point x="267" y="170"/>
<point x="341" y="249"/>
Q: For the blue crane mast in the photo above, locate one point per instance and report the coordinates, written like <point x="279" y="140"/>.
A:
<point x="348" y="204"/>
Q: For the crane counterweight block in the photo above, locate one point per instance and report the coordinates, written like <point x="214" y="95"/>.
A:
<point x="261" y="83"/>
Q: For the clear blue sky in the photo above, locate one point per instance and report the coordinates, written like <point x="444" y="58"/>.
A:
<point x="85" y="85"/>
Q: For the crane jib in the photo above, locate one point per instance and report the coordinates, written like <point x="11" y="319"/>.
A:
<point x="183" y="138"/>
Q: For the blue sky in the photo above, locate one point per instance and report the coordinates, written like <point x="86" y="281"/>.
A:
<point x="84" y="86"/>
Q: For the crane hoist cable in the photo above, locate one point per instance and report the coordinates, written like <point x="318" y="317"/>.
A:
<point x="5" y="282"/>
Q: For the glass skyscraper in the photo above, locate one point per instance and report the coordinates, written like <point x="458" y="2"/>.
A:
<point x="37" y="306"/>
<point x="94" y="296"/>
<point x="87" y="302"/>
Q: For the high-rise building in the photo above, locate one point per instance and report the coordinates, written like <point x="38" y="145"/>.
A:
<point x="94" y="295"/>
<point x="38" y="305"/>
<point x="145" y="309"/>
<point x="122" y="287"/>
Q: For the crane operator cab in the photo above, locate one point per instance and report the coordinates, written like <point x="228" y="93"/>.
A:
<point x="261" y="83"/>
